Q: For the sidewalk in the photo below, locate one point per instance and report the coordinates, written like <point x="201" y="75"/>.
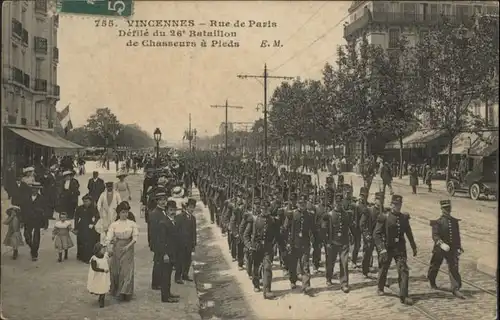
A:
<point x="61" y="292"/>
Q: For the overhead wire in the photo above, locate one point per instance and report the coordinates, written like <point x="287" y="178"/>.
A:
<point x="297" y="53"/>
<point x="297" y="31"/>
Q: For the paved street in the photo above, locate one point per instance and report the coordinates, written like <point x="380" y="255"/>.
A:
<point x="227" y="293"/>
<point x="47" y="289"/>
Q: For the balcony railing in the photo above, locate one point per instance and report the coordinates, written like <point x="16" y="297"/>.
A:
<point x="18" y="75"/>
<point x="25" y="37"/>
<point x="404" y="19"/>
<point x="12" y="119"/>
<point x="26" y="80"/>
<point x="41" y="85"/>
<point x="17" y="28"/>
<point x="40" y="45"/>
<point x="55" y="55"/>
<point x="41" y="6"/>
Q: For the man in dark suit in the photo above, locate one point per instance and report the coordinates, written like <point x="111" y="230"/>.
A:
<point x="186" y="225"/>
<point x="95" y="186"/>
<point x="49" y="191"/>
<point x="68" y="197"/>
<point x="34" y="210"/>
<point x="19" y="191"/>
<point x="164" y="244"/>
<point x="157" y="213"/>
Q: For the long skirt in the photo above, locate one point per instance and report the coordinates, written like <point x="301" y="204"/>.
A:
<point x="122" y="268"/>
<point x="85" y="242"/>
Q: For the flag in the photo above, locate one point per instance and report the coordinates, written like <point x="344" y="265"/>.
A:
<point x="65" y="119"/>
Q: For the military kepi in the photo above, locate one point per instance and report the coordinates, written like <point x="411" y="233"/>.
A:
<point x="445" y="203"/>
<point x="379" y="195"/>
<point x="397" y="199"/>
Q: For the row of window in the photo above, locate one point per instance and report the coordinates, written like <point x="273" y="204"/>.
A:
<point x="28" y="109"/>
<point x="22" y="61"/>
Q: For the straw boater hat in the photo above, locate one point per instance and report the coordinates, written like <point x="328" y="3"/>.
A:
<point x="67" y="173"/>
<point x="177" y="192"/>
<point x="28" y="169"/>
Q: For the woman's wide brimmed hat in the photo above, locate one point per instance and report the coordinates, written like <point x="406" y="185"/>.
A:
<point x="121" y="174"/>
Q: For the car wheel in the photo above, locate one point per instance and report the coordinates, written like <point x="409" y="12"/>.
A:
<point x="475" y="191"/>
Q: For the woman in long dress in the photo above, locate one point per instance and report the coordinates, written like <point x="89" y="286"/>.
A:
<point x="86" y="217"/>
<point x="107" y="205"/>
<point x="122" y="236"/>
<point x="122" y="187"/>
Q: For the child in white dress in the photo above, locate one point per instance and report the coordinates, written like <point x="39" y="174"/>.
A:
<point x="62" y="236"/>
<point x="98" y="281"/>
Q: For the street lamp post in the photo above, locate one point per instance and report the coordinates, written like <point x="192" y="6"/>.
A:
<point x="157" y="137"/>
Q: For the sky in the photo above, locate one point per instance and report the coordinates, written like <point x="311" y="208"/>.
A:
<point x="160" y="86"/>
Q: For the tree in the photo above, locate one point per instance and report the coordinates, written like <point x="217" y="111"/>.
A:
<point x="103" y="128"/>
<point x="132" y="136"/>
<point x="458" y="65"/>
<point x="395" y="71"/>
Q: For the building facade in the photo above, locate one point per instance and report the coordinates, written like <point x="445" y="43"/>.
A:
<point x="30" y="89"/>
<point x="385" y="22"/>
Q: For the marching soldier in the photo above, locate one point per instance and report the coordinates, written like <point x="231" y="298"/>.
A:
<point x="394" y="225"/>
<point x="330" y="191"/>
<point x="299" y="227"/>
<point x="447" y="245"/>
<point x="336" y="226"/>
<point x="237" y="245"/>
<point x="247" y="219"/>
<point x="367" y="224"/>
<point x="320" y="210"/>
<point x="260" y="236"/>
<point x="353" y="208"/>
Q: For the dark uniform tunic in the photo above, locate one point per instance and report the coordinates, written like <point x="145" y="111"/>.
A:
<point x="259" y="236"/>
<point x="393" y="226"/>
<point x="335" y="229"/>
<point x="299" y="228"/>
<point x="248" y="218"/>
<point x="367" y="224"/>
<point x="446" y="230"/>
<point x="237" y="245"/>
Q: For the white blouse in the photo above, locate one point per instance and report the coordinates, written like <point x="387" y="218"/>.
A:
<point x="122" y="229"/>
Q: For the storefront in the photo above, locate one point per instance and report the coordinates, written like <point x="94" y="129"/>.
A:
<point x="475" y="145"/>
<point x="420" y="145"/>
<point x="25" y="146"/>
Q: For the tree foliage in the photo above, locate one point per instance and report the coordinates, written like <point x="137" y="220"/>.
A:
<point x="103" y="129"/>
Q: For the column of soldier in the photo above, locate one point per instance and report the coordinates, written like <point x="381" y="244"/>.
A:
<point x="266" y="213"/>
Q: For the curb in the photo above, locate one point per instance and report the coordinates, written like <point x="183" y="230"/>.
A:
<point x="488" y="265"/>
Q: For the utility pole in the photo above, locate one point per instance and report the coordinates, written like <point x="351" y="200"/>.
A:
<point x="226" y="106"/>
<point x="265" y="76"/>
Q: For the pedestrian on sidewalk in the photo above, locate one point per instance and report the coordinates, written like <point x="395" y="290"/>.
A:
<point x="386" y="176"/>
<point x="428" y="177"/>
<point x="413" y="178"/>
<point x="122" y="186"/>
<point x="86" y="217"/>
<point x="122" y="235"/>
<point x="13" y="238"/>
<point x="98" y="280"/>
<point x="62" y="237"/>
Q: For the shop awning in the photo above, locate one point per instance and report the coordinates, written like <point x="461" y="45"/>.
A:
<point x="474" y="144"/>
<point x="418" y="139"/>
<point x="486" y="145"/>
<point x="46" y="139"/>
<point x="461" y="143"/>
